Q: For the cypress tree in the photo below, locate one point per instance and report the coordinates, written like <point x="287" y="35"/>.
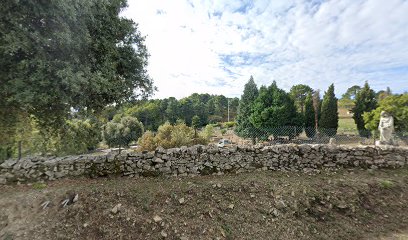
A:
<point x="274" y="112"/>
<point x="365" y="101"/>
<point x="309" y="119"/>
<point x="329" y="120"/>
<point x="244" y="127"/>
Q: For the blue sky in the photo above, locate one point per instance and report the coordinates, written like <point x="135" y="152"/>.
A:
<point x="215" y="46"/>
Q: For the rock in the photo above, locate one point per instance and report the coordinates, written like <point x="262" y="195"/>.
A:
<point x="275" y="212"/>
<point x="157" y="218"/>
<point x="116" y="208"/>
<point x="252" y="195"/>
<point x="86" y="225"/>
<point x="157" y="160"/>
<point x="281" y="204"/>
<point x="332" y="141"/>
<point x="231" y="206"/>
<point x="3" y="181"/>
<point x="163" y="234"/>
<point x="75" y="199"/>
<point x="181" y="200"/>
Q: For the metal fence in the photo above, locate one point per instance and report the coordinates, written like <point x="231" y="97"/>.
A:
<point x="37" y="145"/>
<point x="298" y="135"/>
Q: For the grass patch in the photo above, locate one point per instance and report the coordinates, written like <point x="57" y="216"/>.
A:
<point x="386" y="184"/>
<point x="39" y="186"/>
<point x="347" y="124"/>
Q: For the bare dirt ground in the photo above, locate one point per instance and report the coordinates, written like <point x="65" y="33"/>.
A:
<point x="262" y="205"/>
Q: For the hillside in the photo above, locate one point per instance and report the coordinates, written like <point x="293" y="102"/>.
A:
<point x="359" y="204"/>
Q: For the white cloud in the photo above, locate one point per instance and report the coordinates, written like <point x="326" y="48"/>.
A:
<point x="214" y="46"/>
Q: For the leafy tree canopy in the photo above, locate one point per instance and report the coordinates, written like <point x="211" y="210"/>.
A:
<point x="69" y="54"/>
<point x="299" y="93"/>
<point x="351" y="92"/>
<point x="397" y="106"/>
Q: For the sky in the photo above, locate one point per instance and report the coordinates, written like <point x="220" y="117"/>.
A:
<point x="214" y="46"/>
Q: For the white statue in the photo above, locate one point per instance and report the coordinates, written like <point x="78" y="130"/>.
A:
<point x="386" y="128"/>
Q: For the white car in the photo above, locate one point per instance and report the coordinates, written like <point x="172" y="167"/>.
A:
<point x="223" y="143"/>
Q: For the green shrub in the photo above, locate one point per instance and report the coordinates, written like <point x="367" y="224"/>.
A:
<point x="121" y="131"/>
<point x="182" y="135"/>
<point x="169" y="136"/>
<point x="397" y="106"/>
<point x="78" y="136"/>
<point x="207" y="132"/>
<point x="147" y="142"/>
<point x="163" y="136"/>
<point x="229" y="124"/>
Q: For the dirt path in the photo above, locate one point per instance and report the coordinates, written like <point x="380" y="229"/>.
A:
<point x="262" y="205"/>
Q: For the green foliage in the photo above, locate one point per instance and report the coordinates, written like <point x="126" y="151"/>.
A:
<point x="195" y="122"/>
<point x="365" y="101"/>
<point x="182" y="135"/>
<point x="397" y="106"/>
<point x="78" y="136"/>
<point x="245" y="127"/>
<point x="169" y="136"/>
<point x="208" y="109"/>
<point x="121" y="131"/>
<point x="273" y="111"/>
<point x="380" y="95"/>
<point x="223" y="131"/>
<point x="163" y="136"/>
<point x="309" y="117"/>
<point x="346" y="103"/>
<point x="230" y="124"/>
<point x="39" y="186"/>
<point x="328" y="122"/>
<point x="351" y="92"/>
<point x="207" y="132"/>
<point x="387" y="184"/>
<point x="149" y="113"/>
<point x="147" y="142"/>
<point x="299" y="93"/>
<point x="66" y="54"/>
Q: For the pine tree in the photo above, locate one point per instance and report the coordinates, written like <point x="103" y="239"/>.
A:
<point x="329" y="119"/>
<point x="244" y="127"/>
<point x="309" y="119"/>
<point x="365" y="101"/>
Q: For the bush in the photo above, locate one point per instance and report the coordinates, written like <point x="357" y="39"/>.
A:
<point x="230" y="124"/>
<point x="121" y="131"/>
<point x="207" y="132"/>
<point x="78" y="136"/>
<point x="169" y="136"/>
<point x="147" y="142"/>
<point x="397" y="106"/>
<point x="182" y="135"/>
<point x="163" y="136"/>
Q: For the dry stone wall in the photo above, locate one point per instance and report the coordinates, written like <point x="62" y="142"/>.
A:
<point x="204" y="160"/>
